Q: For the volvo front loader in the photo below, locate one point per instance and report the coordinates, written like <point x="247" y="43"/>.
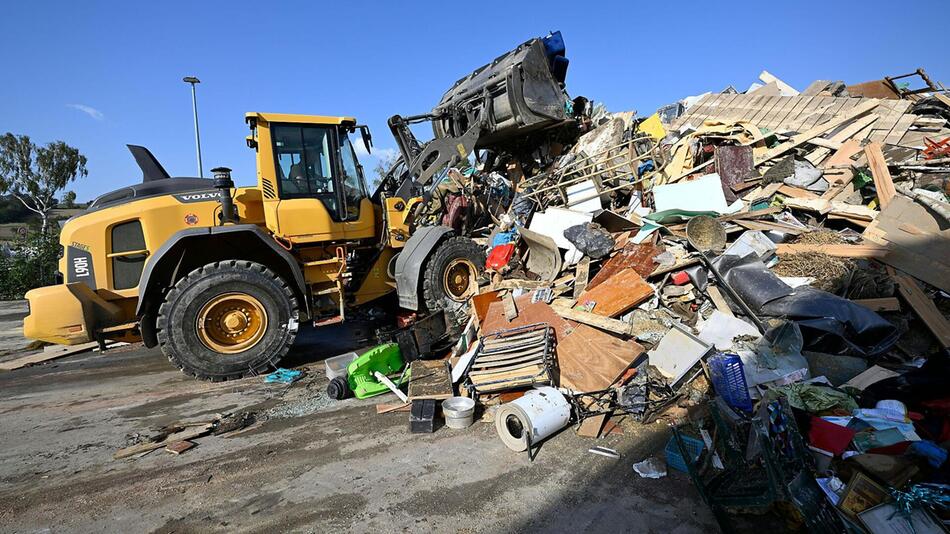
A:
<point x="220" y="277"/>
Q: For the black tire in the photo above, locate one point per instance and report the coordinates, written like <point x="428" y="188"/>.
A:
<point x="434" y="295"/>
<point x="177" y="319"/>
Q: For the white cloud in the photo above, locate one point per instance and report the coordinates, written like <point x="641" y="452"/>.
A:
<point x="88" y="110"/>
<point x="385" y="154"/>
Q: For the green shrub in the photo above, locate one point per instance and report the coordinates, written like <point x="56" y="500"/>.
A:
<point x="32" y="263"/>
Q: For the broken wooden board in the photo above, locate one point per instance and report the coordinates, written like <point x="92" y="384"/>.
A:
<point x="179" y="446"/>
<point x="716" y="297"/>
<point x="825" y="206"/>
<point x="882" y="177"/>
<point x="919" y="241"/>
<point x="924" y="308"/>
<point x="592" y="319"/>
<point x="618" y="293"/>
<point x="184" y="435"/>
<point x="591" y="360"/>
<point x="591" y="426"/>
<point x="530" y="313"/>
<point x="803" y="137"/>
<point x="880" y="304"/>
<point x="511" y="310"/>
<point x="867" y="250"/>
<point x="638" y="257"/>
<point x="430" y="379"/>
<point x="581" y="276"/>
<point x="51" y="353"/>
<point x="390" y="408"/>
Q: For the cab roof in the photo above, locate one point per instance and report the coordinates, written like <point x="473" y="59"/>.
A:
<point x="299" y="119"/>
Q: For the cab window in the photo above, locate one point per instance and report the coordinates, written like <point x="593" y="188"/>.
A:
<point x="304" y="161"/>
<point x="354" y="189"/>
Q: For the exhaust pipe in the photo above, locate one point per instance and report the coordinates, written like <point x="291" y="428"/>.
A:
<point x="224" y="184"/>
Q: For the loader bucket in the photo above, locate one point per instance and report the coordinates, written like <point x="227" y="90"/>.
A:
<point x="524" y="89"/>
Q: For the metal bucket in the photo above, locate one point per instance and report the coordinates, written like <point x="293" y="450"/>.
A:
<point x="459" y="412"/>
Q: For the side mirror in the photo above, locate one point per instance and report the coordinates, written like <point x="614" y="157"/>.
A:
<point x="367" y="137"/>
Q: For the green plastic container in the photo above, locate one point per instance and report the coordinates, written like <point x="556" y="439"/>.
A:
<point x="385" y="359"/>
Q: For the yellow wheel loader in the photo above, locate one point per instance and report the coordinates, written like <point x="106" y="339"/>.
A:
<point x="220" y="277"/>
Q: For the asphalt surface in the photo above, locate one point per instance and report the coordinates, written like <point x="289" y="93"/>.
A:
<point x="314" y="464"/>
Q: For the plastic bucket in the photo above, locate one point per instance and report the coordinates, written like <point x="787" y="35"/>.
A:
<point x="459" y="412"/>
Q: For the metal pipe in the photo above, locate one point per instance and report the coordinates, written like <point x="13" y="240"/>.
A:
<point x="194" y="107"/>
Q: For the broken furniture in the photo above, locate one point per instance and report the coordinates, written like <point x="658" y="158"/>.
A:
<point x="518" y="357"/>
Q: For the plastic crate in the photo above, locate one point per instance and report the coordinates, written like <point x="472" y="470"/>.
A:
<point x="674" y="460"/>
<point x="729" y="380"/>
<point x="336" y="366"/>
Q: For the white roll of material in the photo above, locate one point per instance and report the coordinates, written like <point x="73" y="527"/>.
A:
<point x="538" y="414"/>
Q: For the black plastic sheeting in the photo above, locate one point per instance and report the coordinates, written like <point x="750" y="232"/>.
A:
<point x="829" y="323"/>
<point x="590" y="239"/>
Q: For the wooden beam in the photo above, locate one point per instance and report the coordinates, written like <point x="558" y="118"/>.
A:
<point x="924" y="308"/>
<point x="591" y="319"/>
<point x="882" y="177"/>
<point x="838" y="251"/>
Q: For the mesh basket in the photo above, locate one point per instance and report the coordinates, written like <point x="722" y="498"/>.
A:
<point x="729" y="380"/>
<point x="675" y="460"/>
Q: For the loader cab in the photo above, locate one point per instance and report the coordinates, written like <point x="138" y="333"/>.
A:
<point x="310" y="178"/>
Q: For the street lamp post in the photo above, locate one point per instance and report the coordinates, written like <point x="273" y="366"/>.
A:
<point x="194" y="106"/>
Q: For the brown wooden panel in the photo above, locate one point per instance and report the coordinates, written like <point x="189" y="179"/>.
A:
<point x="617" y="294"/>
<point x="591" y="360"/>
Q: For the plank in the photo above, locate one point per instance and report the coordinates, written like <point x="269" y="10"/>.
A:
<point x="882" y="177"/>
<point x="924" y="308"/>
<point x="184" y="435"/>
<point x="839" y="251"/>
<point x="592" y="319"/>
<point x="900" y="128"/>
<point x="46" y="355"/>
<point x="389" y="408"/>
<point x="796" y="192"/>
<point x="581" y="276"/>
<point x="816" y="131"/>
<point x="618" y="294"/>
<point x="880" y="304"/>
<point x="583" y="370"/>
<point x="716" y="297"/>
<point x="430" y="379"/>
<point x="511" y="310"/>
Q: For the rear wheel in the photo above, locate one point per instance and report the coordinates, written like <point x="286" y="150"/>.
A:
<point x="227" y="320"/>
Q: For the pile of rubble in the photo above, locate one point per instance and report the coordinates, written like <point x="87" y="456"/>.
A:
<point x="767" y="271"/>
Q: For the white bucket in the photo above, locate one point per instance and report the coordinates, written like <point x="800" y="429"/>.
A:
<point x="535" y="416"/>
<point x="459" y="412"/>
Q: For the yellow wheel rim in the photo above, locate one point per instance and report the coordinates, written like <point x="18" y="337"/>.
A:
<point x="460" y="279"/>
<point x="231" y="323"/>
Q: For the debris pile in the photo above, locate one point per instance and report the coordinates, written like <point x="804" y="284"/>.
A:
<point x="767" y="271"/>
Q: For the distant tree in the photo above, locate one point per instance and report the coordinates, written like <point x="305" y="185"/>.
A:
<point x="35" y="174"/>
<point x="384" y="162"/>
<point x="69" y="199"/>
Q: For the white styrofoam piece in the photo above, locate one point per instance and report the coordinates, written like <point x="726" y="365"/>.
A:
<point x="553" y="221"/>
<point x="702" y="194"/>
<point x="584" y="190"/>
<point x="720" y="329"/>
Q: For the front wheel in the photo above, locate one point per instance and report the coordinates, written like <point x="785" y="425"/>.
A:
<point x="227" y="320"/>
<point x="451" y="274"/>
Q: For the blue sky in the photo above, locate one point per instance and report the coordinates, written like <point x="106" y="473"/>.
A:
<point x="99" y="75"/>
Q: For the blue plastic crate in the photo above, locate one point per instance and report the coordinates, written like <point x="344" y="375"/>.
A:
<point x="729" y="380"/>
<point x="674" y="460"/>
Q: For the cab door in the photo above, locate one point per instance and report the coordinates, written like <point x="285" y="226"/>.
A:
<point x="360" y="216"/>
<point x="310" y="208"/>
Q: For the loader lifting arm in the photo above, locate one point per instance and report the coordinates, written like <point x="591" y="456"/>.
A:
<point x="517" y="94"/>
